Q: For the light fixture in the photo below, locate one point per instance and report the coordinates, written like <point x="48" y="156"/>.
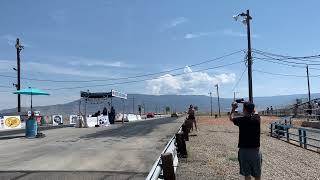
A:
<point x="244" y="21"/>
<point x="235" y="17"/>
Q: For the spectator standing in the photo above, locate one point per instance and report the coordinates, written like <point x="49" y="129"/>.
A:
<point x="249" y="155"/>
<point x="191" y="116"/>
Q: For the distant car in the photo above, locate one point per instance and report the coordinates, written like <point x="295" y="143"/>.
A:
<point x="174" y="115"/>
<point x="150" y="115"/>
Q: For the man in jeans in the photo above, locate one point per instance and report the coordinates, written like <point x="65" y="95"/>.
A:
<point x="249" y="155"/>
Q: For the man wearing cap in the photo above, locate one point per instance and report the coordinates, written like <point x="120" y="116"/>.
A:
<point x="249" y="155"/>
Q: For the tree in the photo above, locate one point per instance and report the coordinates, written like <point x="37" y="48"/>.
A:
<point x="167" y="109"/>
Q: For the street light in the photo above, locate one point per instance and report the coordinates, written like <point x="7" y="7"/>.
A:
<point x="234" y="95"/>
<point x="246" y="20"/>
<point x="211" y="102"/>
<point x="217" y="86"/>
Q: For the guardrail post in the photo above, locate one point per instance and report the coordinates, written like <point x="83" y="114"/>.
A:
<point x="167" y="166"/>
<point x="290" y="121"/>
<point x="181" y="145"/>
<point x="305" y="139"/>
<point x="300" y="137"/>
<point x="185" y="131"/>
<point x="287" y="131"/>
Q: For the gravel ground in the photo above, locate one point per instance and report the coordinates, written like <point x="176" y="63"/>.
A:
<point x="213" y="154"/>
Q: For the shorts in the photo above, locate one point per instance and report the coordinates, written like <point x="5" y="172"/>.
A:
<point x="250" y="161"/>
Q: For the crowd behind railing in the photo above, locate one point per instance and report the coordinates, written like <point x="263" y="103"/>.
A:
<point x="309" y="110"/>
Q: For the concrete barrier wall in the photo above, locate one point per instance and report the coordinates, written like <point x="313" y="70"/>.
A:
<point x="132" y="117"/>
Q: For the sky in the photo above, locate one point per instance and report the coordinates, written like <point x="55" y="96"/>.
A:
<point x="103" y="42"/>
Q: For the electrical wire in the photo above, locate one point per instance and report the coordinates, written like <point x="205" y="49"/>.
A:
<point x="236" y="85"/>
<point x="278" y="74"/>
<point x="283" y="63"/>
<point x="288" y="57"/>
<point x="130" y="77"/>
<point x="141" y="80"/>
<point x="290" y="62"/>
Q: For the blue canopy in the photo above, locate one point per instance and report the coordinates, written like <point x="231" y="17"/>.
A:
<point x="31" y="91"/>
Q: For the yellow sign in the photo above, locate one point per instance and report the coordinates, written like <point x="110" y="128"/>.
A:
<point x="12" y="122"/>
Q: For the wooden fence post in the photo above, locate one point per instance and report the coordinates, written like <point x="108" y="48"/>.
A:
<point x="167" y="166"/>
<point x="181" y="145"/>
<point x="305" y="139"/>
<point x="287" y="131"/>
<point x="300" y="137"/>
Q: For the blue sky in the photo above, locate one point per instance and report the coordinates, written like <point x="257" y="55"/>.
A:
<point x="86" y="40"/>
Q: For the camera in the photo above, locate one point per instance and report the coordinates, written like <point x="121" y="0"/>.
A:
<point x="240" y="100"/>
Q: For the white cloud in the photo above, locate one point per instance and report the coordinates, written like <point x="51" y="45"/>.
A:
<point x="187" y="69"/>
<point x="30" y="66"/>
<point x="226" y="32"/>
<point x="188" y="83"/>
<point x="230" y="32"/>
<point x="175" y="22"/>
<point x="11" y="40"/>
<point x="81" y="61"/>
<point x="178" y="21"/>
<point x="197" y="35"/>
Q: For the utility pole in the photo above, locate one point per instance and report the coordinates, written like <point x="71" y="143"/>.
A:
<point x="18" y="85"/>
<point x="211" y="101"/>
<point x="308" y="86"/>
<point x="133" y="104"/>
<point x="217" y="85"/>
<point x="246" y="21"/>
<point x="248" y="18"/>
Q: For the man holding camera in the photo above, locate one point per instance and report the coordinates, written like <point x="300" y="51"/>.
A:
<point x="249" y="155"/>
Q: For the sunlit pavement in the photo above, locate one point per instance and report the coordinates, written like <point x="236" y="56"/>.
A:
<point x="116" y="152"/>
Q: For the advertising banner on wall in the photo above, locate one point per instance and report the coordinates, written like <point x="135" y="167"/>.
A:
<point x="46" y="120"/>
<point x="57" y="119"/>
<point x="104" y="120"/>
<point x="12" y="122"/>
<point x="1" y="122"/>
<point x="92" y="121"/>
<point x="38" y="119"/>
<point x="118" y="94"/>
<point x="73" y="119"/>
<point x="36" y="113"/>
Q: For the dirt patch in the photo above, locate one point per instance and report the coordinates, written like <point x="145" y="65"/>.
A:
<point x="212" y="154"/>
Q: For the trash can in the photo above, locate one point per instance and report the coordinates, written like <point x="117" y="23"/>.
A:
<point x="31" y="128"/>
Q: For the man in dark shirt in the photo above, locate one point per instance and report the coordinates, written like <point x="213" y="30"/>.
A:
<point x="249" y="155"/>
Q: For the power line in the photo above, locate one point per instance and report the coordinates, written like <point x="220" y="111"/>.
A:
<point x="288" y="57"/>
<point x="141" y="80"/>
<point x="290" y="62"/>
<point x="279" y="74"/>
<point x="130" y="77"/>
<point x="236" y="85"/>
<point x="283" y="63"/>
<point x="276" y="62"/>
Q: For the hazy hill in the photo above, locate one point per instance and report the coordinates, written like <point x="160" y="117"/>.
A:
<point x="158" y="103"/>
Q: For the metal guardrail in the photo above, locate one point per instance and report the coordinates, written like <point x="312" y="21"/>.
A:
<point x="156" y="170"/>
<point x="307" y="138"/>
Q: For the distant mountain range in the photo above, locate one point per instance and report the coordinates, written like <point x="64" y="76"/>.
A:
<point x="154" y="103"/>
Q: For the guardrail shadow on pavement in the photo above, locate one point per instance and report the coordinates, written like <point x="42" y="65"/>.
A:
<point x="11" y="137"/>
